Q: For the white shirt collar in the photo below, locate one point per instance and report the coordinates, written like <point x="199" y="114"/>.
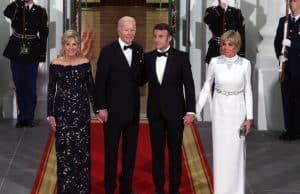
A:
<point x="30" y="5"/>
<point x="122" y="43"/>
<point x="164" y="50"/>
<point x="296" y="17"/>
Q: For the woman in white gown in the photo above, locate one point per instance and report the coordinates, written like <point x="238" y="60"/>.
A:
<point x="231" y="111"/>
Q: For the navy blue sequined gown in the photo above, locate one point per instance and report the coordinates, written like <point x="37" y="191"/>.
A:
<point x="70" y="91"/>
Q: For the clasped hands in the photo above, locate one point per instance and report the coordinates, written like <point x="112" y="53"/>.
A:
<point x="188" y="118"/>
<point x="102" y="115"/>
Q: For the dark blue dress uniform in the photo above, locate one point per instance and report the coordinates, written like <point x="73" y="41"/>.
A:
<point x="25" y="49"/>
<point x="290" y="87"/>
<point x="220" y="21"/>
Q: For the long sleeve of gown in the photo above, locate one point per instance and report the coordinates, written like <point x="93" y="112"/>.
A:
<point x="205" y="91"/>
<point x="51" y="91"/>
<point x="248" y="92"/>
<point x="90" y="87"/>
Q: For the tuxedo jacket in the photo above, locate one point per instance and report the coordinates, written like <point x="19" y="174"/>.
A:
<point x="117" y="82"/>
<point x="176" y="94"/>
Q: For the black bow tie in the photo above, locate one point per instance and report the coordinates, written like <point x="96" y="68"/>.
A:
<point x="161" y="54"/>
<point x="128" y="47"/>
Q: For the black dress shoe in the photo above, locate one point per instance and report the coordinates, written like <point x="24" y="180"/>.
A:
<point x="20" y="124"/>
<point x="29" y="124"/>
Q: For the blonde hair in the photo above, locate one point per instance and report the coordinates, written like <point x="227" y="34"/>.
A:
<point x="232" y="36"/>
<point x="64" y="39"/>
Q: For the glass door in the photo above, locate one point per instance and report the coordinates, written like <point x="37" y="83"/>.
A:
<point x="179" y="19"/>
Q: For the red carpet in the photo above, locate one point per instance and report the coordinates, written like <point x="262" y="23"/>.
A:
<point x="196" y="177"/>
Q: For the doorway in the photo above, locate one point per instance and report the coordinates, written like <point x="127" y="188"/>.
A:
<point x="100" y="25"/>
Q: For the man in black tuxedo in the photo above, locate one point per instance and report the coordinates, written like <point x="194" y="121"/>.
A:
<point x="118" y="101"/>
<point x="171" y="105"/>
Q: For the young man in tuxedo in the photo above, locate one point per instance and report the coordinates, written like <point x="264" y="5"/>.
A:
<point x="171" y="105"/>
<point x="118" y="101"/>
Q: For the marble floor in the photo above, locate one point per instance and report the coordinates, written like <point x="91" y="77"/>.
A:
<point x="21" y="151"/>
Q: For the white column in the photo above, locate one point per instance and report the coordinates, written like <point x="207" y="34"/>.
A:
<point x="55" y="17"/>
<point x="269" y="106"/>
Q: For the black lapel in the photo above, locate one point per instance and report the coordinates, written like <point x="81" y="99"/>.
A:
<point x="135" y="55"/>
<point x="119" y="50"/>
<point x="153" y="66"/>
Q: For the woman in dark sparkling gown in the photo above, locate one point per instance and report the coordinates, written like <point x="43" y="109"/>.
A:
<point x="70" y="91"/>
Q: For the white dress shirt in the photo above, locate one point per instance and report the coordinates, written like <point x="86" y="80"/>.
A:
<point x="160" y="65"/>
<point x="296" y="17"/>
<point x="127" y="52"/>
<point x="29" y="5"/>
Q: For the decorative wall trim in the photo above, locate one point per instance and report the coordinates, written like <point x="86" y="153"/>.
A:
<point x="98" y="4"/>
<point x="163" y="5"/>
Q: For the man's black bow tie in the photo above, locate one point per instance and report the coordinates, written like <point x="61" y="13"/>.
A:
<point x="161" y="54"/>
<point x="128" y="47"/>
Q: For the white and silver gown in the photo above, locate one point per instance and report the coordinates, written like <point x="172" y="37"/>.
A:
<point x="231" y="105"/>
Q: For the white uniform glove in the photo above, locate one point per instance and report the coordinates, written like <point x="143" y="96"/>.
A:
<point x="286" y="42"/>
<point x="282" y="59"/>
<point x="224" y="4"/>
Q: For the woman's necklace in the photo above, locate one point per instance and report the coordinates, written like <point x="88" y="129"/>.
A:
<point x="230" y="61"/>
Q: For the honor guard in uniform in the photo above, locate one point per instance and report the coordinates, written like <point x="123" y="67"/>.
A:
<point x="25" y="49"/>
<point x="220" y="19"/>
<point x="287" y="48"/>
